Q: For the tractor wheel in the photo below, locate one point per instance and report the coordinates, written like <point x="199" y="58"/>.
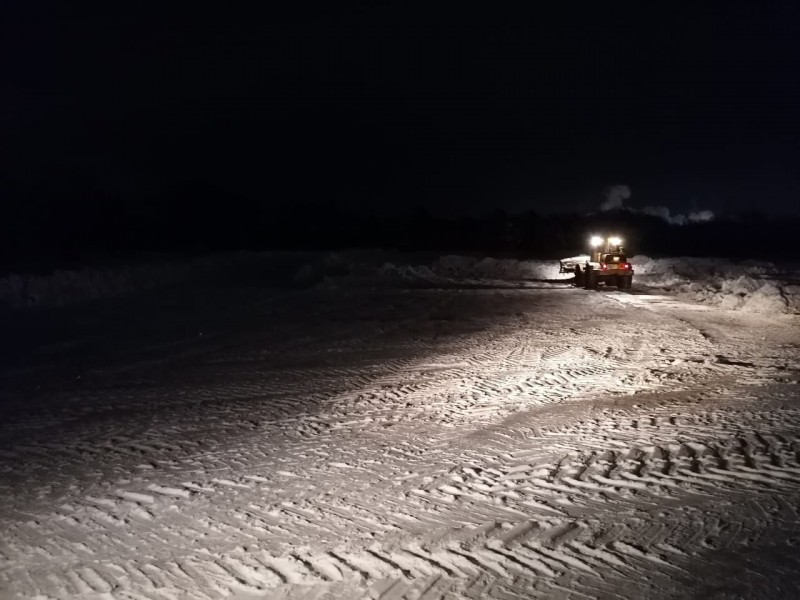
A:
<point x="625" y="282"/>
<point x="591" y="280"/>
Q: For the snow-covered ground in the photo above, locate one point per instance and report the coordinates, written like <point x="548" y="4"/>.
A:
<point x="366" y="427"/>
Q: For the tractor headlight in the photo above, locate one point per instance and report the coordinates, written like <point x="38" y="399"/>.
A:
<point x="595" y="241"/>
<point x="615" y="241"/>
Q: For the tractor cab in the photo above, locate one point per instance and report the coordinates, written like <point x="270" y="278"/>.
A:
<point x="604" y="250"/>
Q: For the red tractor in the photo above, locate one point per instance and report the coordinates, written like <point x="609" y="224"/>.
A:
<point x="606" y="263"/>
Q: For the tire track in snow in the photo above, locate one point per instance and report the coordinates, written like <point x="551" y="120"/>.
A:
<point x="531" y="519"/>
<point x="508" y="496"/>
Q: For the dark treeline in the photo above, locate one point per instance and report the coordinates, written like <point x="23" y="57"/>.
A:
<point x="38" y="233"/>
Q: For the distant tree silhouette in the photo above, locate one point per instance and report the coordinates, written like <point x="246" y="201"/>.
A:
<point x="53" y="223"/>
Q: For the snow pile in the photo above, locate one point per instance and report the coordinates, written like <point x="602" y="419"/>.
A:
<point x="63" y="287"/>
<point x="70" y="286"/>
<point x="494" y="268"/>
<point x="383" y="268"/>
<point x="389" y="271"/>
<point x="342" y="268"/>
<point x="453" y="269"/>
<point x="332" y="264"/>
<point x="750" y="286"/>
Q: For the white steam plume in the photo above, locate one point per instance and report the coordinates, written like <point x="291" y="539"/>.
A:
<point x="617" y="194"/>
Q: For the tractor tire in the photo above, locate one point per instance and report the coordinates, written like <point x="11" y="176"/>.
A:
<point x="591" y="280"/>
<point x="626" y="282"/>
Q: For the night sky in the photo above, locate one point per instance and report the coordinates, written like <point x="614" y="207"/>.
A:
<point x="383" y="106"/>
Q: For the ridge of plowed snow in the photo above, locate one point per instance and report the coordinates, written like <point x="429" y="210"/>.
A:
<point x="759" y="287"/>
<point x="750" y="286"/>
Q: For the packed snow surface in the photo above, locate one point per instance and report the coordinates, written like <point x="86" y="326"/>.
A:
<point x="361" y="425"/>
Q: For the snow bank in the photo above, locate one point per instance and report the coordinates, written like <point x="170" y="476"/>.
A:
<point x="459" y="269"/>
<point x="70" y="286"/>
<point x="751" y="286"/>
<point x="494" y="268"/>
<point x="380" y="268"/>
<point x="748" y="286"/>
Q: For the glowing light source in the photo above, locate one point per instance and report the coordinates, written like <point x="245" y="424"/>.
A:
<point x="595" y="241"/>
<point x="615" y="241"/>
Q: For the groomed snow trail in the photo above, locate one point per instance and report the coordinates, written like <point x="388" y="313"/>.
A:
<point x="401" y="444"/>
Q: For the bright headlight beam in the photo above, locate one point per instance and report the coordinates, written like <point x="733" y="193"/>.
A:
<point x="595" y="241"/>
<point x="615" y="241"/>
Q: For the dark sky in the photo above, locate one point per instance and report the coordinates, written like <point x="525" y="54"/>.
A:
<point x="380" y="106"/>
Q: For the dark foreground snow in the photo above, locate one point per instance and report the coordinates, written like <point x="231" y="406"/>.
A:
<point x="361" y="437"/>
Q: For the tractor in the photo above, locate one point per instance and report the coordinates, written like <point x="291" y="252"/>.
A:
<point x="606" y="263"/>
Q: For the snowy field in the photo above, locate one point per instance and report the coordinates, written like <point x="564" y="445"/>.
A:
<point x="363" y="425"/>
